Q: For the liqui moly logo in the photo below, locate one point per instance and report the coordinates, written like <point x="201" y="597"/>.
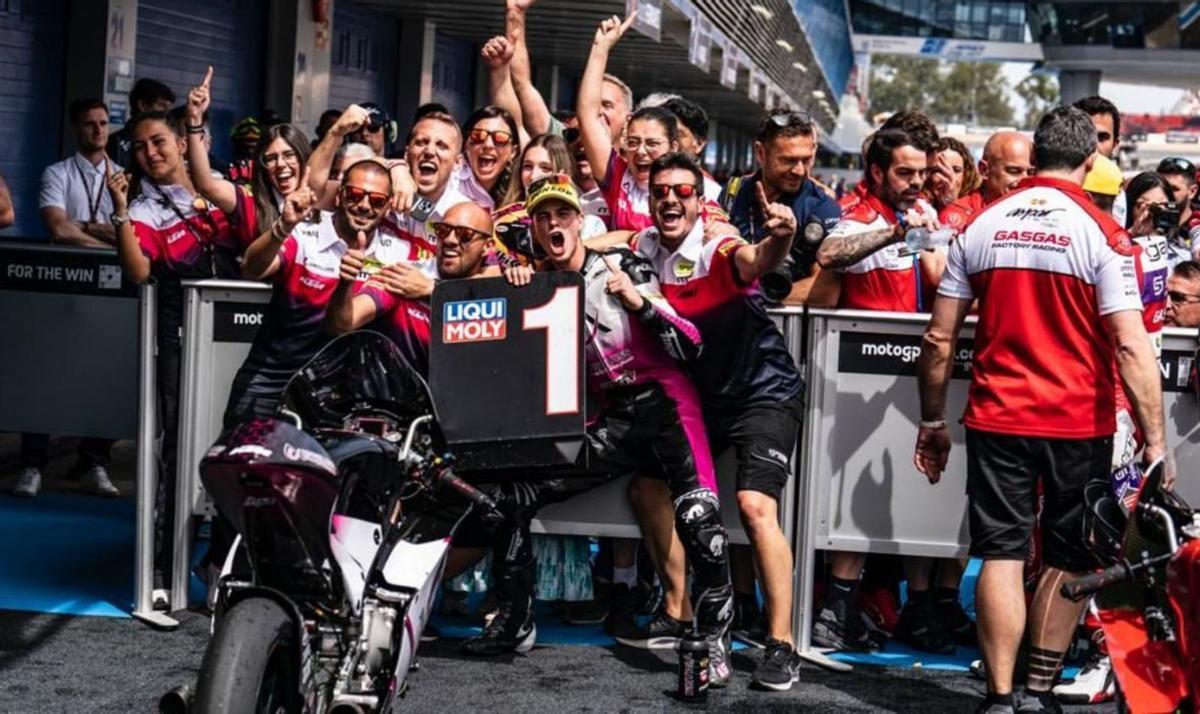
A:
<point x="474" y="320"/>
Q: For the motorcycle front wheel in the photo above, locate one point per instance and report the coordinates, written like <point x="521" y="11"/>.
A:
<point x="248" y="665"/>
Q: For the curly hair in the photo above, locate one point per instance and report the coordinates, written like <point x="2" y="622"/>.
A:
<point x="971" y="177"/>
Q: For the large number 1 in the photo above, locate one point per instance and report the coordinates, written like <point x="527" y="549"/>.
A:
<point x="560" y="319"/>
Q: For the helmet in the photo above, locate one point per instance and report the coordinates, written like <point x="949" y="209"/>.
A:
<point x="1103" y="521"/>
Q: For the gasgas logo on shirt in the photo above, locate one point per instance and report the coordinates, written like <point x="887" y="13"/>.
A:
<point x="474" y="320"/>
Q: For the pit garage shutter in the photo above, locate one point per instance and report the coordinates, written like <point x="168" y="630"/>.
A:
<point x="178" y="39"/>
<point x="32" y="56"/>
<point x="365" y="53"/>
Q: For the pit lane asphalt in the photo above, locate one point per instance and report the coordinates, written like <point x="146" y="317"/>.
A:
<point x="51" y="663"/>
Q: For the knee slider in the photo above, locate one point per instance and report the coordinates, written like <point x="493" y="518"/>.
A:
<point x="698" y="520"/>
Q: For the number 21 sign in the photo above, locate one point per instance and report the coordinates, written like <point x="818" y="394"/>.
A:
<point x="506" y="370"/>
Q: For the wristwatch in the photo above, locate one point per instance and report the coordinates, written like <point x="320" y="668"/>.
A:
<point x="119" y="220"/>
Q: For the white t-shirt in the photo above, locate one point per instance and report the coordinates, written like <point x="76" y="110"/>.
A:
<point x="77" y="187"/>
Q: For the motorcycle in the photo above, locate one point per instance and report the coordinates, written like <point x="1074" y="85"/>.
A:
<point x="1149" y="601"/>
<point x="345" y="509"/>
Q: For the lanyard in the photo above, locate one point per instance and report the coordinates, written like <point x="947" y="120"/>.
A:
<point x="93" y="205"/>
<point x="205" y="244"/>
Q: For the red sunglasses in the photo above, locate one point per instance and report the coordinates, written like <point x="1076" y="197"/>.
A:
<point x="354" y="194"/>
<point x="500" y="138"/>
<point x="682" y="190"/>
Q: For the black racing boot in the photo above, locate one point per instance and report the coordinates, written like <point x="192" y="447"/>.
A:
<point x="512" y="629"/>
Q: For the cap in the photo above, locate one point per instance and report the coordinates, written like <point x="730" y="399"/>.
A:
<point x="246" y="128"/>
<point x="1105" y="178"/>
<point x="556" y="186"/>
<point x="377" y="117"/>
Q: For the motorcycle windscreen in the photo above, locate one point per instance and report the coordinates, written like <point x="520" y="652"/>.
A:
<point x="357" y="372"/>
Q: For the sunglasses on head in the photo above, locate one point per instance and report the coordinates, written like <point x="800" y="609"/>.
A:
<point x="1176" y="165"/>
<point x="682" y="190"/>
<point x="464" y="234"/>
<point x="785" y="119"/>
<point x="354" y="194"/>
<point x="499" y="137"/>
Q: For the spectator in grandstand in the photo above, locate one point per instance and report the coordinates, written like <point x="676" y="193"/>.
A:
<point x="74" y="202"/>
<point x="1054" y="415"/>
<point x="1007" y="160"/>
<point x="862" y="259"/>
<point x="1103" y="183"/>
<point x="1181" y="176"/>
<point x="7" y="215"/>
<point x="952" y="173"/>
<point x="1183" y="295"/>
<point x="146" y="95"/>
<point x="166" y="229"/>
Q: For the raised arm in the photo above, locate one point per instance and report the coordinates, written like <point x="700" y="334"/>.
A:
<point x="134" y="263"/>
<point x="321" y="160"/>
<point x="534" y="111"/>
<point x="757" y="260"/>
<point x="593" y="130"/>
<point x="222" y="193"/>
<point x="261" y="259"/>
<point x="497" y="54"/>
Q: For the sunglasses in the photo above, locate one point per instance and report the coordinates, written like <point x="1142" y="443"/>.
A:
<point x="464" y="234"/>
<point x="354" y="194"/>
<point x="1176" y="164"/>
<point x="499" y="137"/>
<point x="1179" y="298"/>
<point x="784" y="120"/>
<point x="682" y="190"/>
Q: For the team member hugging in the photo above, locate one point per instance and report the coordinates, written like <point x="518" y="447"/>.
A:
<point x="382" y="303"/>
<point x="747" y="379"/>
<point x="649" y="422"/>
<point x="301" y="253"/>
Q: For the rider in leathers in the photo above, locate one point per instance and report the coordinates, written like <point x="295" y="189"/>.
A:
<point x="649" y="422"/>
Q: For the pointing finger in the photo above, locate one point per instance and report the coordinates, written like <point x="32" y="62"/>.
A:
<point x="207" y="77"/>
<point x="763" y="203"/>
<point x="628" y="21"/>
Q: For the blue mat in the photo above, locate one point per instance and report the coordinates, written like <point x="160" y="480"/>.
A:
<point x="67" y="554"/>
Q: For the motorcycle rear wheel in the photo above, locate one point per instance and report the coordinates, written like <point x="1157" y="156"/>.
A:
<point x="247" y="667"/>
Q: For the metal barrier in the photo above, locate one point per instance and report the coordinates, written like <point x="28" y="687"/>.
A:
<point x="220" y="319"/>
<point x="858" y="488"/>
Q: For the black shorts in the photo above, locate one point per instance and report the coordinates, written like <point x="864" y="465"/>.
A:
<point x="1002" y="477"/>
<point x="764" y="437"/>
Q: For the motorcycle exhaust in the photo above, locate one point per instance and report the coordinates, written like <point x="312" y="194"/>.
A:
<point x="176" y="701"/>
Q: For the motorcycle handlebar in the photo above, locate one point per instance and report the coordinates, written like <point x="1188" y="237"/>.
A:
<point x="472" y="494"/>
<point x="1082" y="587"/>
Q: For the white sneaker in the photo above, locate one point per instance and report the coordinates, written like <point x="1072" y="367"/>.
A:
<point x="160" y="599"/>
<point x="29" y="483"/>
<point x="95" y="481"/>
<point x="1094" y="683"/>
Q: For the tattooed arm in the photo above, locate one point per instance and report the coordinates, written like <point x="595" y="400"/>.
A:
<point x="840" y="251"/>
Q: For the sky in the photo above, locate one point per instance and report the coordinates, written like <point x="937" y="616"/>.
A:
<point x="1131" y="98"/>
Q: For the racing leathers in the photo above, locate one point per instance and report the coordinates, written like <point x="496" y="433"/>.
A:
<point x="648" y="421"/>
